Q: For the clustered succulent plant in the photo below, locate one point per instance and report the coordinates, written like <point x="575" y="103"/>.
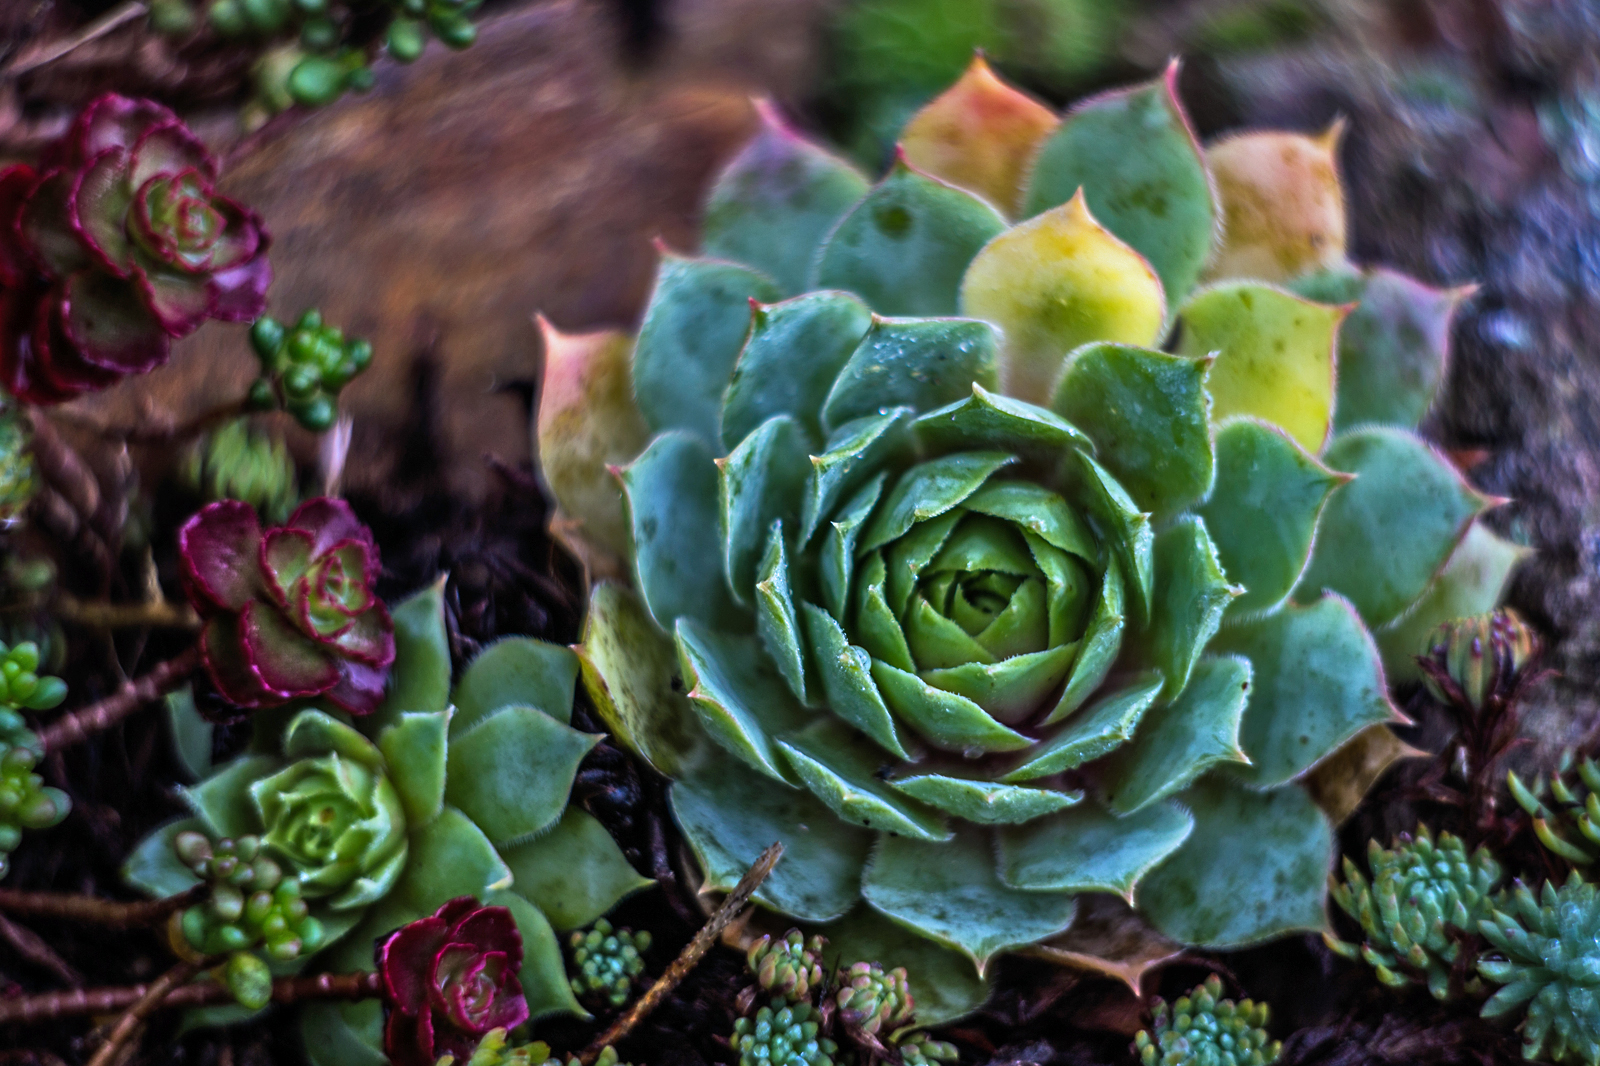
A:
<point x="783" y="1033"/>
<point x="251" y="903"/>
<point x="495" y="1049"/>
<point x="290" y="612"/>
<point x="789" y="966"/>
<point x="1203" y="1029"/>
<point x="871" y="1000"/>
<point x="304" y="368"/>
<point x="238" y="462"/>
<point x="968" y="576"/>
<point x="1547" y="957"/>
<point x="116" y="245"/>
<point x="26" y="802"/>
<point x="1566" y="811"/>
<point x="385" y="819"/>
<point x="608" y="962"/>
<point x="1422" y="900"/>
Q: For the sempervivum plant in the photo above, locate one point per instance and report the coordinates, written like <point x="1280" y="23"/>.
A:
<point x="117" y="244"/>
<point x="438" y="794"/>
<point x="290" y="612"/>
<point x="983" y="533"/>
<point x="1422" y="900"/>
<point x="1548" y="958"/>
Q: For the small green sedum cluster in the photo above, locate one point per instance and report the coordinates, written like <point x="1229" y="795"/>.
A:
<point x="783" y="1033"/>
<point x="608" y="962"/>
<point x="26" y="802"/>
<point x="1547" y="958"/>
<point x="1203" y="1029"/>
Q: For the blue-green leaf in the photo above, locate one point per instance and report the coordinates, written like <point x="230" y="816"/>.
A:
<point x="921" y="363"/>
<point x="758" y="483"/>
<point x="574" y="873"/>
<point x="1191" y="592"/>
<point x="741" y="700"/>
<point x="516" y="670"/>
<point x="511" y="773"/>
<point x="842" y="771"/>
<point x="846" y="674"/>
<point x="1104" y="727"/>
<point x="1091" y="849"/>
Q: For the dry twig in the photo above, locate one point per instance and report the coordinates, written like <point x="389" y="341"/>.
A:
<point x="70" y="729"/>
<point x="95" y="911"/>
<point x="48" y="1006"/>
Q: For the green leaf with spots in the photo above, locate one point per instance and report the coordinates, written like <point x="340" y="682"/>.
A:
<point x="1103" y="727"/>
<point x="853" y="455"/>
<point x="917" y="363"/>
<point x="1387" y="534"/>
<point x="693" y="330"/>
<point x="929" y="490"/>
<point x="511" y="772"/>
<point x="1091" y="849"/>
<point x="1191" y="593"/>
<point x="574" y="873"/>
<point x="794" y="352"/>
<point x="905" y="246"/>
<point x="986" y="420"/>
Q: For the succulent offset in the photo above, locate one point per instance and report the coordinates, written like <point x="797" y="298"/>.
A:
<point x="789" y="966"/>
<point x="871" y="999"/>
<point x="1203" y="1029"/>
<point x="303" y="368"/>
<point x="1475" y="659"/>
<point x="1547" y="960"/>
<point x="237" y="462"/>
<point x="115" y="246"/>
<point x="965" y="574"/>
<point x="1422" y="899"/>
<point x="289" y="611"/>
<point x="494" y="1049"/>
<point x="441" y="792"/>
<point x="783" y="1033"/>
<point x="608" y="962"/>
<point x="1566" y="810"/>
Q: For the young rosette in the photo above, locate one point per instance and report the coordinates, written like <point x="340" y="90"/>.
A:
<point x="965" y="574"/>
<point x="1547" y="960"/>
<point x="438" y="794"/>
<point x="116" y="245"/>
<point x="289" y="612"/>
<point x="449" y="979"/>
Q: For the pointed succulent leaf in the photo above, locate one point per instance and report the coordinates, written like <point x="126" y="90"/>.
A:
<point x="742" y="702"/>
<point x="1274" y="352"/>
<point x="450" y="857"/>
<point x="574" y="873"/>
<point x="1205" y="895"/>
<point x="730" y="814"/>
<point x="1053" y="283"/>
<point x="1282" y="204"/>
<point x="944" y="718"/>
<point x="843" y="772"/>
<point x="223" y="799"/>
<point x="1134" y="155"/>
<point x="1180" y="740"/>
<point x="944" y="983"/>
<point x="516" y="670"/>
<point x="1149" y="417"/>
<point x="672" y="503"/>
<point x="854" y="453"/>
<point x="1110" y="505"/>
<point x="1191" y="593"/>
<point x="543" y="976"/>
<point x="773" y="204"/>
<point x="989" y="420"/>
<point x="1098" y="650"/>
<point x="1263" y="510"/>
<point x="929" y="490"/>
<point x="691" y="335"/>
<point x="980" y="134"/>
<point x="1318" y="656"/>
<point x="1394" y="347"/>
<point x="511" y="772"/>
<point x="1470" y="584"/>
<point x="952" y="893"/>
<point x="1104" y="726"/>
<point x="1091" y="849"/>
<point x="758" y="483"/>
<point x="588" y="421"/>
<point x="985" y="802"/>
<point x="630" y="670"/>
<point x="1386" y="535"/>
<point x="845" y="671"/>
<point x="420" y="678"/>
<point x="777" y="618"/>
<point x="154" y="867"/>
<point x="414" y="749"/>
<point x="917" y="363"/>
<point x="794" y="352"/>
<point x="343" y="1034"/>
<point x="905" y="246"/>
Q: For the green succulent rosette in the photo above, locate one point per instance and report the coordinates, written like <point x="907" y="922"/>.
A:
<point x="439" y="793"/>
<point x="986" y="542"/>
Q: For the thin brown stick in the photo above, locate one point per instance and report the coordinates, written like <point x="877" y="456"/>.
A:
<point x="70" y="729"/>
<point x="140" y="1009"/>
<point x="48" y="1006"/>
<point x="688" y="957"/>
<point x="51" y="51"/>
<point x="100" y="614"/>
<point x="93" y="910"/>
<point x="32" y="946"/>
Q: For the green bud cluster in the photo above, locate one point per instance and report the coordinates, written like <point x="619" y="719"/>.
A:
<point x="18" y="478"/>
<point x="871" y="998"/>
<point x="240" y="463"/>
<point x="1566" y="810"/>
<point x="26" y="802"/>
<point x="608" y="961"/>
<point x="1478" y="657"/>
<point x="920" y="1049"/>
<point x="493" y="1050"/>
<point x="1203" y="1029"/>
<point x="446" y="18"/>
<point x="1421" y="897"/>
<point x="20" y="684"/>
<point x="252" y="904"/>
<point x="304" y="367"/>
<point x="790" y="966"/>
<point x="783" y="1034"/>
<point x="1547" y="957"/>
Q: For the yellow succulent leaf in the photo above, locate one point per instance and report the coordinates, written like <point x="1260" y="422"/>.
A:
<point x="1275" y="356"/>
<point x="1054" y="282"/>
<point x="588" y="421"/>
<point x="1282" y="204"/>
<point x="980" y="134"/>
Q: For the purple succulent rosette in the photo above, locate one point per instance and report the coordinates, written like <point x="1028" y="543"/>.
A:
<point x="117" y="244"/>
<point x="289" y="612"/>
<point x="450" y="978"/>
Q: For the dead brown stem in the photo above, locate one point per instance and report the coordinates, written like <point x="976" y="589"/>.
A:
<point x="140" y="1009"/>
<point x="92" y="910"/>
<point x="48" y="1006"/>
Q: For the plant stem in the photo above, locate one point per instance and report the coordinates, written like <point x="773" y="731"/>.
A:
<point x="70" y="729"/>
<point x="95" y="911"/>
<point x="100" y="614"/>
<point x="49" y="1006"/>
<point x="173" y="433"/>
<point x="688" y="957"/>
<point x="140" y="1009"/>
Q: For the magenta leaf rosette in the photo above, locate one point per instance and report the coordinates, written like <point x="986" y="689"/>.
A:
<point x="114" y="246"/>
<point x="450" y="978"/>
<point x="289" y="612"/>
